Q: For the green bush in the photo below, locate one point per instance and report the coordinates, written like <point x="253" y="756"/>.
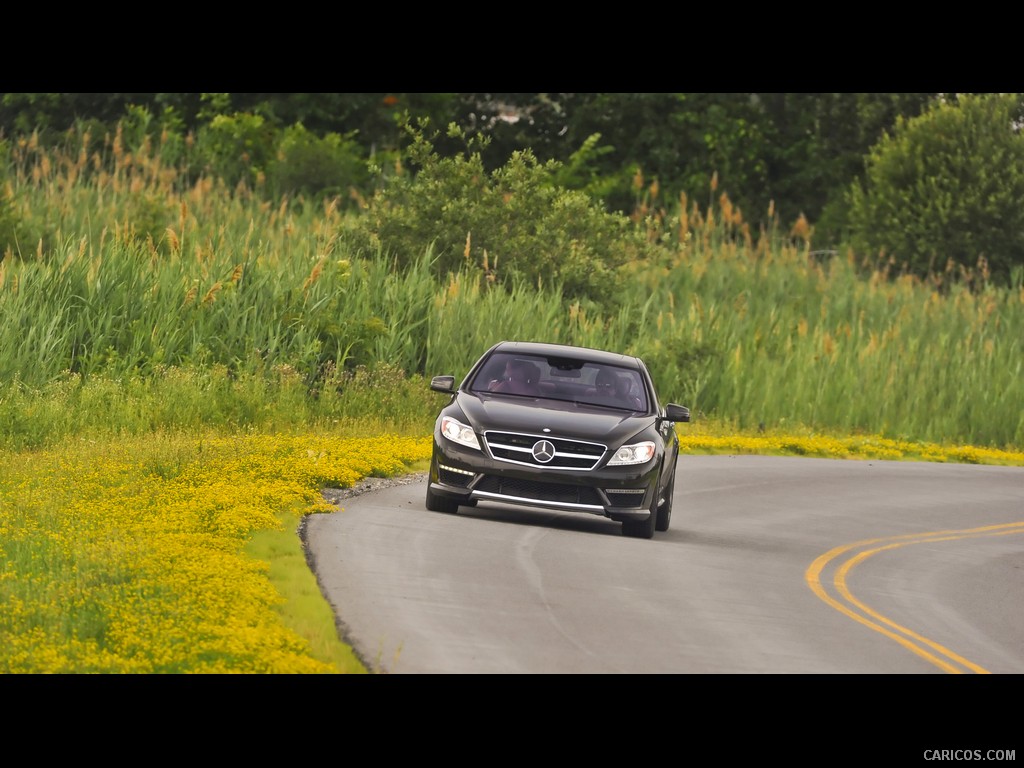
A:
<point x="237" y="148"/>
<point x="165" y="134"/>
<point x="309" y="165"/>
<point x="947" y="187"/>
<point x="513" y="223"/>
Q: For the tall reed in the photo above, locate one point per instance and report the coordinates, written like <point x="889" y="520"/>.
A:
<point x="145" y="277"/>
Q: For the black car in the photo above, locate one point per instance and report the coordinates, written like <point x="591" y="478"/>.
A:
<point x="559" y="427"/>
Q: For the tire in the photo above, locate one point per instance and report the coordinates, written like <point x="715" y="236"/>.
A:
<point x="437" y="503"/>
<point x="665" y="509"/>
<point x="642" y="529"/>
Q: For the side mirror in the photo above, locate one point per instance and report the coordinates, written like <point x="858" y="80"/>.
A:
<point x="675" y="412"/>
<point x="443" y="384"/>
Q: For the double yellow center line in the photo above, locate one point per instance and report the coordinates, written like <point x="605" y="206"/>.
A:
<point x="850" y="606"/>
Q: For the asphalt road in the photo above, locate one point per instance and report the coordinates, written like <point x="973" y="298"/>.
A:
<point x="773" y="565"/>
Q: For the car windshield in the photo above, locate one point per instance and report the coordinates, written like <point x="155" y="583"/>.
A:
<point x="579" y="381"/>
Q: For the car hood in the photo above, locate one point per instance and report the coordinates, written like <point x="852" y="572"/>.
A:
<point x="559" y="417"/>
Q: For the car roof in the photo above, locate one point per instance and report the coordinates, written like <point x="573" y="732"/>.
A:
<point x="565" y="350"/>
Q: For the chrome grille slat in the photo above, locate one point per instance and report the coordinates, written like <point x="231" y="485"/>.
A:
<point x="517" y="448"/>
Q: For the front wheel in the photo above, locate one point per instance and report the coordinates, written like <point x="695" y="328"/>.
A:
<point x="642" y="529"/>
<point x="436" y="503"/>
<point x="665" y="509"/>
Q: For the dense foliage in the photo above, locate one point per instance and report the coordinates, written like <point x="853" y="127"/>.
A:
<point x="946" y="188"/>
<point x="149" y="281"/>
<point x="512" y="224"/>
<point x="789" y="156"/>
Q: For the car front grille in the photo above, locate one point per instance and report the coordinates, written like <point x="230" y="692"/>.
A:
<point x="518" y="448"/>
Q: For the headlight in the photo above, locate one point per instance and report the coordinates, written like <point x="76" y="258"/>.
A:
<point x="637" y="453"/>
<point x="459" y="433"/>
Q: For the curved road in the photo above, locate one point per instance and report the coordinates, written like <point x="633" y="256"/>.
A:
<point x="772" y="565"/>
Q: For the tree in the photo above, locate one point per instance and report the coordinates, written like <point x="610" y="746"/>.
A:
<point x="673" y="142"/>
<point x="782" y="155"/>
<point x="817" y="145"/>
<point x="947" y="187"/>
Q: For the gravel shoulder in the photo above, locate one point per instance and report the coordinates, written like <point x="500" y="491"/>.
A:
<point x="337" y="495"/>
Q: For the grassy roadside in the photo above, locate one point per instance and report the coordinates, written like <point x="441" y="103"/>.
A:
<point x="806" y="442"/>
<point x="304" y="609"/>
<point x="180" y="552"/>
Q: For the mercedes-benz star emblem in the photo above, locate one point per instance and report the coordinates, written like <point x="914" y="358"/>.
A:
<point x="543" y="451"/>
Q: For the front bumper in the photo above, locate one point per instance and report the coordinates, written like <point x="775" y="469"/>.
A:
<point x="618" y="493"/>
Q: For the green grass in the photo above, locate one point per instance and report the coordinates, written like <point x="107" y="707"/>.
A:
<point x="304" y="609"/>
<point x="170" y="552"/>
<point x="179" y="552"/>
